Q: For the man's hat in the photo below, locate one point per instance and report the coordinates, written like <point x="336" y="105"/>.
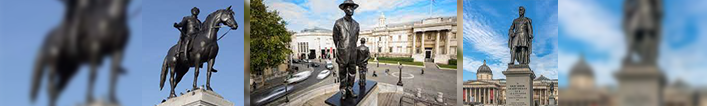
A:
<point x="348" y="2"/>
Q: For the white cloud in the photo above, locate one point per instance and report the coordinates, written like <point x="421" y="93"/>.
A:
<point x="586" y="21"/>
<point x="323" y="13"/>
<point x="379" y="5"/>
<point x="486" y="40"/>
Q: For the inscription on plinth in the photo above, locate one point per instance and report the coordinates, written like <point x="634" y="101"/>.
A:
<point x="519" y="82"/>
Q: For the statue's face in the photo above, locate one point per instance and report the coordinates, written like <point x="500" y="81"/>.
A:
<point x="521" y="11"/>
<point x="349" y="10"/>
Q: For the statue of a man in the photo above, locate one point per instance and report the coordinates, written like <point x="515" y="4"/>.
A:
<point x="345" y="34"/>
<point x="189" y="27"/>
<point x="520" y="38"/>
<point x="642" y="29"/>
<point x="363" y="56"/>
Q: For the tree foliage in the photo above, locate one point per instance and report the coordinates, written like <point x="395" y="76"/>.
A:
<point x="269" y="39"/>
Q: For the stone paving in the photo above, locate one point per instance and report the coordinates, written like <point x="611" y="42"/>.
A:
<point x="432" y="82"/>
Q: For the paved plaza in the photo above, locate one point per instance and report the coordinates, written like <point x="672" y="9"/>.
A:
<point x="432" y="82"/>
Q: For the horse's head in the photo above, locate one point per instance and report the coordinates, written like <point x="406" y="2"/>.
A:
<point x="227" y="18"/>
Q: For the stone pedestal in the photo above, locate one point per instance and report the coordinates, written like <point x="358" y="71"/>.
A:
<point x="640" y="85"/>
<point x="367" y="96"/>
<point x="552" y="101"/>
<point x="519" y="85"/>
<point x="101" y="103"/>
<point x="198" y="97"/>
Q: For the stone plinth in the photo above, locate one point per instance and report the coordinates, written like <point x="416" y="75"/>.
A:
<point x="366" y="97"/>
<point x="198" y="97"/>
<point x="519" y="85"/>
<point x="640" y="85"/>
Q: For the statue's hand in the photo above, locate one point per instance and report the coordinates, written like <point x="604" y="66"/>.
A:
<point x="176" y="25"/>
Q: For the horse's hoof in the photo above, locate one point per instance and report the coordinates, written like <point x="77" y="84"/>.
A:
<point x="113" y="99"/>
<point x="209" y="88"/>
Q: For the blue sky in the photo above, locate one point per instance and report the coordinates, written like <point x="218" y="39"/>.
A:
<point x="146" y="50"/>
<point x="24" y="25"/>
<point x="486" y="24"/>
<point x="302" y="14"/>
<point x="593" y="28"/>
<point x="159" y="16"/>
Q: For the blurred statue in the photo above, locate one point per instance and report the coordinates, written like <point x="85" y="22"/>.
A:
<point x="345" y="34"/>
<point x="189" y="26"/>
<point x="363" y="56"/>
<point x="642" y="25"/>
<point x="78" y="40"/>
<point x="205" y="51"/>
<point x="520" y="38"/>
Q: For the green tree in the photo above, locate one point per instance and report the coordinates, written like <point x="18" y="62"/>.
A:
<point x="269" y="39"/>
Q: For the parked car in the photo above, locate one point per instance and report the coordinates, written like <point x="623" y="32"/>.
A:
<point x="301" y="76"/>
<point x="323" y="74"/>
<point x="314" y="64"/>
<point x="273" y="95"/>
<point x="329" y="65"/>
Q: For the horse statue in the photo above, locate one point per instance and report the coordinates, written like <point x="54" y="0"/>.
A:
<point x="95" y="30"/>
<point x="204" y="48"/>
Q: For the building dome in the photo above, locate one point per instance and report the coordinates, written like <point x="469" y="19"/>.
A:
<point x="581" y="75"/>
<point x="542" y="78"/>
<point x="484" y="69"/>
<point x="581" y="68"/>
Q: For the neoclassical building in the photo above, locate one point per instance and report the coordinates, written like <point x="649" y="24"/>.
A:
<point x="313" y="43"/>
<point x="428" y="40"/>
<point x="488" y="91"/>
<point x="583" y="92"/>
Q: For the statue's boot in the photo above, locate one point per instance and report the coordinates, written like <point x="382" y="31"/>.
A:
<point x="350" y="92"/>
<point x="343" y="94"/>
<point x="171" y="95"/>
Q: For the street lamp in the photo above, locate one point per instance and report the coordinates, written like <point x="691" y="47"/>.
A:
<point x="400" y="74"/>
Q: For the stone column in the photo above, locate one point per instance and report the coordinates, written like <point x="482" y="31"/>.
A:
<point x="437" y="51"/>
<point x="422" y="46"/>
<point x="478" y="93"/>
<point x="414" y="36"/>
<point x="448" y="43"/>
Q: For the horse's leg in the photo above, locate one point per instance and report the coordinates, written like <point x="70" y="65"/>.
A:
<point x="197" y="65"/>
<point x="208" y="73"/>
<point x="93" y="64"/>
<point x="172" y="82"/>
<point x="52" y="84"/>
<point x="116" y="69"/>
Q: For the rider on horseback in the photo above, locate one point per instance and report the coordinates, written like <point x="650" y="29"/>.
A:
<point x="189" y="27"/>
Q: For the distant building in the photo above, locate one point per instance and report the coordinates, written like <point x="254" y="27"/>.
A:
<point x="314" y="43"/>
<point x="428" y="40"/>
<point x="488" y="91"/>
<point x="583" y="92"/>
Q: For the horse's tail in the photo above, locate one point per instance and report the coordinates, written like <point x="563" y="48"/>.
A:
<point x="37" y="74"/>
<point x="163" y="74"/>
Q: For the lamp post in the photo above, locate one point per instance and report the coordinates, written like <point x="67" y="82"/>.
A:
<point x="400" y="74"/>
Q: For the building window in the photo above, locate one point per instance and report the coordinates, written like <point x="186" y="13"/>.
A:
<point x="429" y="36"/>
<point x="390" y="49"/>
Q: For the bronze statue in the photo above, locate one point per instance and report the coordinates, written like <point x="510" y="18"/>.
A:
<point x="345" y="34"/>
<point x="189" y="26"/>
<point x="363" y="56"/>
<point x="641" y="25"/>
<point x="78" y="40"/>
<point x="520" y="38"/>
<point x="205" y="50"/>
